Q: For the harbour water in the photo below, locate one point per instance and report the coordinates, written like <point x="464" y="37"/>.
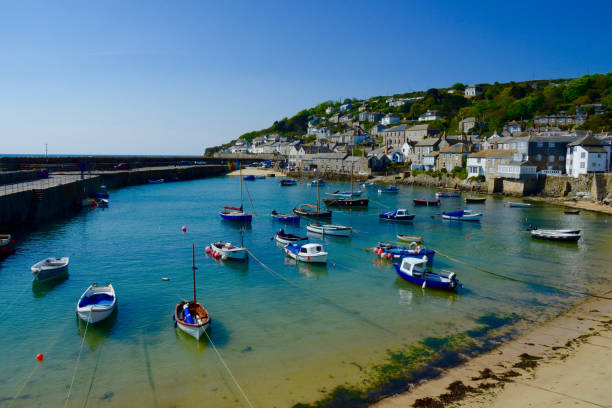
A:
<point x="289" y="333"/>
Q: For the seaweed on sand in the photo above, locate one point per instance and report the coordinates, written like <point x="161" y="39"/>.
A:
<point x="527" y="361"/>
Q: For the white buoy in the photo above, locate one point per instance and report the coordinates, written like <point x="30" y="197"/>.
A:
<point x="166" y="279"/>
<point x="424" y="284"/>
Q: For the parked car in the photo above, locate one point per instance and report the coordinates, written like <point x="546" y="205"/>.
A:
<point x="122" y="166"/>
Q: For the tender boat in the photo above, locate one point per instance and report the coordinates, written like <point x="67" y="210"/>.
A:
<point x="446" y="195"/>
<point x="7" y="245"/>
<point x="191" y="317"/>
<point x="426" y="202"/>
<point x="312" y="253"/>
<point x="397" y="253"/>
<point x="571" y="211"/>
<point x="228" y="251"/>
<point x="413" y="270"/>
<point x="286" y="238"/>
<point x="88" y="202"/>
<point x="398" y="215"/>
<point x="289" y="218"/>
<point x="556" y="235"/>
<point x="410" y="238"/>
<point x="462" y="215"/>
<point x="518" y="205"/>
<point x="156" y="181"/>
<point x="346" y="194"/>
<point x="313" y="211"/>
<point x="389" y="189"/>
<point x="317" y="182"/>
<point x="288" y="182"/>
<point x="475" y="199"/>
<point x="250" y="177"/>
<point x="236" y="214"/>
<point x="50" y="268"/>
<point x="330" y="229"/>
<point x="97" y="303"/>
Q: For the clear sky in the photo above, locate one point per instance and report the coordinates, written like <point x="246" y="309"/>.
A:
<point x="173" y="77"/>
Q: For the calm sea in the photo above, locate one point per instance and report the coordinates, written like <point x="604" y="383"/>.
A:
<point x="286" y="340"/>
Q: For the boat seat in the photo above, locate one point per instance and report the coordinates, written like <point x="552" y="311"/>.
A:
<point x="97" y="299"/>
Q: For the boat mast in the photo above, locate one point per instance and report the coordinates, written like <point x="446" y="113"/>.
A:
<point x="318" y="198"/>
<point x="352" y="173"/>
<point x="193" y="267"/>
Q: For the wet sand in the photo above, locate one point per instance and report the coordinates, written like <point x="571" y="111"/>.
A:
<point x="564" y="362"/>
<point x="256" y="171"/>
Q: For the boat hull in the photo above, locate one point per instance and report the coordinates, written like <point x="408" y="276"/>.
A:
<point x="569" y="236"/>
<point x="331" y="230"/>
<point x="475" y="200"/>
<point x="346" y="202"/>
<point x="426" y="202"/>
<point x="396" y="218"/>
<point x="429" y="283"/>
<point x="312" y="214"/>
<point x="322" y="258"/>
<point x="237" y="254"/>
<point x="409" y="238"/>
<point x="195" y="330"/>
<point x="289" y="219"/>
<point x="519" y="205"/>
<point x="236" y="217"/>
<point x="7" y="247"/>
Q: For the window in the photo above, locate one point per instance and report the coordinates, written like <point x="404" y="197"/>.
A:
<point x="551" y="158"/>
<point x="582" y="165"/>
<point x="551" y="144"/>
<point x="540" y="144"/>
<point x="582" y="155"/>
<point x="539" y="157"/>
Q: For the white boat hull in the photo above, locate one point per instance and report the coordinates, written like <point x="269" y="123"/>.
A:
<point x="50" y="268"/>
<point x="473" y="218"/>
<point x="519" y="205"/>
<point x="94" y="313"/>
<point x="95" y="316"/>
<point x="319" y="258"/>
<point x="195" y="332"/>
<point x="337" y="231"/>
<point x="239" y="254"/>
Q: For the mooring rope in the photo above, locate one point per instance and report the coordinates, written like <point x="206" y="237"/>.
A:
<point x="76" y="366"/>
<point x="326" y="300"/>
<point x="228" y="370"/>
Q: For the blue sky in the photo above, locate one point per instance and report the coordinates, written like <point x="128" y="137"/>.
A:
<point x="173" y="77"/>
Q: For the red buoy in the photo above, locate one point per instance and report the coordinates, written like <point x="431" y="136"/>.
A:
<point x="184" y="229"/>
<point x="208" y="250"/>
<point x="40" y="357"/>
<point x="468" y="236"/>
<point x="390" y="255"/>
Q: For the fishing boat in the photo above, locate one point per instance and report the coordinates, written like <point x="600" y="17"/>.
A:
<point x="155" y="181"/>
<point x="413" y="270"/>
<point x="313" y="211"/>
<point x="397" y="253"/>
<point x="330" y="229"/>
<point x="446" y="195"/>
<point x="97" y="303"/>
<point x="571" y="211"/>
<point x="518" y="205"/>
<point x="426" y="202"/>
<point x="317" y="182"/>
<point x="228" y="251"/>
<point x="250" y="177"/>
<point x="7" y="245"/>
<point x="102" y="202"/>
<point x="410" y="238"/>
<point x="462" y="215"/>
<point x="312" y="253"/>
<point x="236" y="214"/>
<point x="50" y="268"/>
<point x="285" y="238"/>
<point x="288" y="182"/>
<point x="288" y="218"/>
<point x="398" y="215"/>
<point x="389" y="189"/>
<point x="475" y="199"/>
<point x="556" y="235"/>
<point x="191" y="317"/>
<point x="345" y="199"/>
<point x="88" y="202"/>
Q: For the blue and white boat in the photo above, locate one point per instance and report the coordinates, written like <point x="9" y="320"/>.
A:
<point x="399" y="215"/>
<point x="312" y="253"/>
<point x="288" y="182"/>
<point x="389" y="189"/>
<point x="236" y="214"/>
<point x="319" y="182"/>
<point x="462" y="215"/>
<point x="288" y="218"/>
<point x="250" y="177"/>
<point x="397" y="253"/>
<point x="413" y="270"/>
<point x="97" y="303"/>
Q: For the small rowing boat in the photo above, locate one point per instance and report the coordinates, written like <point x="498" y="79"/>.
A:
<point x="286" y="238"/>
<point x="312" y="253"/>
<point x="410" y="238"/>
<point x="49" y="268"/>
<point x="518" y="205"/>
<point x="96" y="303"/>
<point x="475" y="199"/>
<point x="446" y="195"/>
<point x="462" y="215"/>
<point x="288" y="182"/>
<point x="330" y="229"/>
<point x="228" y="251"/>
<point x="397" y="253"/>
<point x="399" y="215"/>
<point x="571" y="211"/>
<point x="389" y="189"/>
<point x="7" y="245"/>
<point x="288" y="218"/>
<point x="413" y="270"/>
<point x="556" y="235"/>
<point x="426" y="202"/>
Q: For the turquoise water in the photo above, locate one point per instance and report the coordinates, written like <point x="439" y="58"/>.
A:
<point x="285" y="339"/>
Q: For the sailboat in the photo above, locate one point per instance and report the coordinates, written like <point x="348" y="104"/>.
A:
<point x="236" y="214"/>
<point x="309" y="210"/>
<point x="192" y="317"/>
<point x="348" y="200"/>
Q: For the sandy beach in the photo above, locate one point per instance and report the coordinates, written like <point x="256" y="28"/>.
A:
<point x="256" y="171"/>
<point x="564" y="362"/>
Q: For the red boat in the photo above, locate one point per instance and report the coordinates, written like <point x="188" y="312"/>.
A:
<point x="426" y="202"/>
<point x="7" y="245"/>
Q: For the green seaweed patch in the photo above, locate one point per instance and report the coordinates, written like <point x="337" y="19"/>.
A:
<point x="527" y="361"/>
<point x="457" y="391"/>
<point x="428" y="402"/>
<point x="416" y="362"/>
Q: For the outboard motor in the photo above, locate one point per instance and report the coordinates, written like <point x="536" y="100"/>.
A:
<point x="453" y="279"/>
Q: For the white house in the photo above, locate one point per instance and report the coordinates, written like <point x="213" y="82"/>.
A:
<point x="346" y="106"/>
<point x="429" y="116"/>
<point x="430" y="160"/>
<point x="587" y="155"/>
<point x="472" y="91"/>
<point x="329" y="110"/>
<point x="517" y="170"/>
<point x="389" y="119"/>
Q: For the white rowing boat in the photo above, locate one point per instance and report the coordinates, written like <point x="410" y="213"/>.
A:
<point x="556" y="235"/>
<point x="50" y="268"/>
<point x="97" y="303"/>
<point x="228" y="251"/>
<point x="330" y="229"/>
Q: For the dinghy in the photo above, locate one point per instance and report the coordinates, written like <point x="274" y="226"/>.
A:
<point x="397" y="253"/>
<point x="390" y="189"/>
<point x="285" y="238"/>
<point x="236" y="214"/>
<point x="97" y="303"/>
<point x="475" y="199"/>
<point x="330" y="229"/>
<point x="191" y="317"/>
<point x="156" y="181"/>
<point x="462" y="215"/>
<point x="288" y="218"/>
<point x="312" y="253"/>
<point x="571" y="211"/>
<point x="50" y="268"/>
<point x="413" y="270"/>
<point x="288" y="182"/>
<point x="228" y="251"/>
<point x="410" y="238"/>
<point x="556" y="235"/>
<point x="399" y="215"/>
<point x="446" y="195"/>
<point x="426" y="202"/>
<point x="518" y="205"/>
<point x="313" y="211"/>
<point x="7" y="245"/>
<point x="250" y="177"/>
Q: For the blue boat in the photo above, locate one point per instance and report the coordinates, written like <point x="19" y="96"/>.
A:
<point x="398" y="253"/>
<point x="390" y="189"/>
<point x="101" y="193"/>
<point x="319" y="182"/>
<point x="250" y="177"/>
<point x="413" y="270"/>
<point x="398" y="215"/>
<point x="236" y="214"/>
<point x="462" y="215"/>
<point x="289" y="218"/>
<point x="288" y="182"/>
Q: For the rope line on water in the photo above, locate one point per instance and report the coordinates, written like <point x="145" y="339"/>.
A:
<point x="228" y="370"/>
<point x="76" y="366"/>
<point x="510" y="278"/>
<point x="326" y="300"/>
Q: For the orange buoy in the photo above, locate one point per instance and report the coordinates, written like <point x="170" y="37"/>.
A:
<point x="390" y="255"/>
<point x="40" y="357"/>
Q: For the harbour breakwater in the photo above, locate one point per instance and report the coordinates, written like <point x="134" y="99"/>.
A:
<point x="24" y="206"/>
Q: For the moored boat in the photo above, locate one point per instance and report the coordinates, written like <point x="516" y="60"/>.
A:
<point x="413" y="270"/>
<point x="426" y="202"/>
<point x="462" y="215"/>
<point x="286" y="238"/>
<point x="236" y="214"/>
<point x="288" y="218"/>
<point x="389" y="189"/>
<point x="398" y="215"/>
<point x="97" y="303"/>
<point x="410" y="238"/>
<point x="250" y="177"/>
<point x="317" y="182"/>
<point x="101" y="193"/>
<point x="346" y="202"/>
<point x="346" y="194"/>
<point x="288" y="182"/>
<point x="155" y="181"/>
<point x="475" y="199"/>
<point x="312" y="253"/>
<point x="446" y="195"/>
<point x="50" y="268"/>
<point x="518" y="205"/>
<point x="102" y="202"/>
<point x="7" y="245"/>
<point x="397" y="253"/>
<point x="228" y="251"/>
<point x="571" y="211"/>
<point x="556" y="235"/>
<point x="311" y="211"/>
<point x="330" y="229"/>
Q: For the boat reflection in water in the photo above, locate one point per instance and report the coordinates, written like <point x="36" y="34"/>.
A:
<point x="42" y="288"/>
<point x="97" y="334"/>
